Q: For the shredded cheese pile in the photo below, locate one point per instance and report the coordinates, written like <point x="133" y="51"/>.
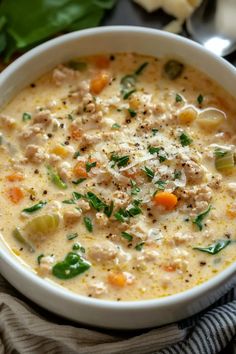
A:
<point x="181" y="9"/>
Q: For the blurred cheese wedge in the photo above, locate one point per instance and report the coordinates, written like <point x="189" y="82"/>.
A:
<point x="181" y="9"/>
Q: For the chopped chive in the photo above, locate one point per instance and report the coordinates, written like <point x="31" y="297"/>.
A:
<point x="88" y="223"/>
<point x="132" y="112"/>
<point x="154" y="131"/>
<point x="178" y="98"/>
<point x="90" y="165"/>
<point x="149" y="172"/>
<point x="139" y="246"/>
<point x="78" y="181"/>
<point x="72" y="236"/>
<point x="115" y="126"/>
<point x="200" y="99"/>
<point x="26" y="116"/>
<point x="141" y="68"/>
<point x="39" y="258"/>
<point x="185" y="140"/>
<point x="128" y="94"/>
<point x="76" y="154"/>
<point x="77" y="247"/>
<point x="127" y="236"/>
<point x="35" y="207"/>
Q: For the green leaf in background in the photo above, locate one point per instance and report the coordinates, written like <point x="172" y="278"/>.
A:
<point x="28" y="22"/>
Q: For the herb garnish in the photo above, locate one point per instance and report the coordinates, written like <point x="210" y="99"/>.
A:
<point x="154" y="131"/>
<point x="128" y="82"/>
<point x="120" y="161"/>
<point x="128" y="94"/>
<point x="173" y="69"/>
<point x="88" y="223"/>
<point x="159" y="151"/>
<point x="26" y="116"/>
<point x="134" y="188"/>
<point x="70" y="267"/>
<point x="123" y="215"/>
<point x="200" y="217"/>
<point x="95" y="202"/>
<point x="77" y="65"/>
<point x="78" y="181"/>
<point x="76" y="154"/>
<point x="139" y="246"/>
<point x="115" y="126"/>
<point x="150" y="174"/>
<point x="200" y="99"/>
<point x="39" y="258"/>
<point x="132" y="112"/>
<point x="75" y="196"/>
<point x="215" y="247"/>
<point x="72" y="236"/>
<point x="56" y="179"/>
<point x="90" y="165"/>
<point x="185" y="140"/>
<point x="177" y="174"/>
<point x="161" y="184"/>
<point x="127" y="236"/>
<point x="141" y="68"/>
<point x="108" y="209"/>
<point x="35" y="207"/>
<point x="77" y="247"/>
<point x="178" y="98"/>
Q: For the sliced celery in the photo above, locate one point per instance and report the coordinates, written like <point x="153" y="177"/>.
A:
<point x="224" y="162"/>
<point x="42" y="225"/>
<point x="22" y="239"/>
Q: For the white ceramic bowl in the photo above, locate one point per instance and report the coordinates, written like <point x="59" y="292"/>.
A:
<point x="117" y="315"/>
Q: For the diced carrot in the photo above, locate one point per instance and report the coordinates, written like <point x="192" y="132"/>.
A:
<point x="102" y="61"/>
<point x="15" y="194"/>
<point x="165" y="199"/>
<point x="117" y="279"/>
<point x="99" y="82"/>
<point x="15" y="177"/>
<point x="231" y="213"/>
<point x="75" y="132"/>
<point x="80" y="170"/>
<point x="130" y="174"/>
<point x="170" y="268"/>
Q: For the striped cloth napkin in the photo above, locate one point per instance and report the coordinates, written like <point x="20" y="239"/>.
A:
<point x="26" y="328"/>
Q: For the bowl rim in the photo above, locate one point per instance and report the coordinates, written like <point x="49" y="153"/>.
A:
<point x="61" y="292"/>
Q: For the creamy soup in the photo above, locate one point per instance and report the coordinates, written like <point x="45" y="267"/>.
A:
<point x="118" y="177"/>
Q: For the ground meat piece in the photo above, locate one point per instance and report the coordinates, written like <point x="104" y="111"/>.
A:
<point x="35" y="153"/>
<point x="53" y="159"/>
<point x="82" y="204"/>
<point x="71" y="216"/>
<point x="96" y="289"/>
<point x="64" y="170"/>
<point x="81" y="91"/>
<point x="103" y="252"/>
<point x="63" y="74"/>
<point x="102" y="219"/>
<point x="197" y="198"/>
<point x="30" y="132"/>
<point x="43" y="117"/>
<point x="215" y="182"/>
<point x="45" y="265"/>
<point x="193" y="171"/>
<point x="120" y="199"/>
<point x="7" y="122"/>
